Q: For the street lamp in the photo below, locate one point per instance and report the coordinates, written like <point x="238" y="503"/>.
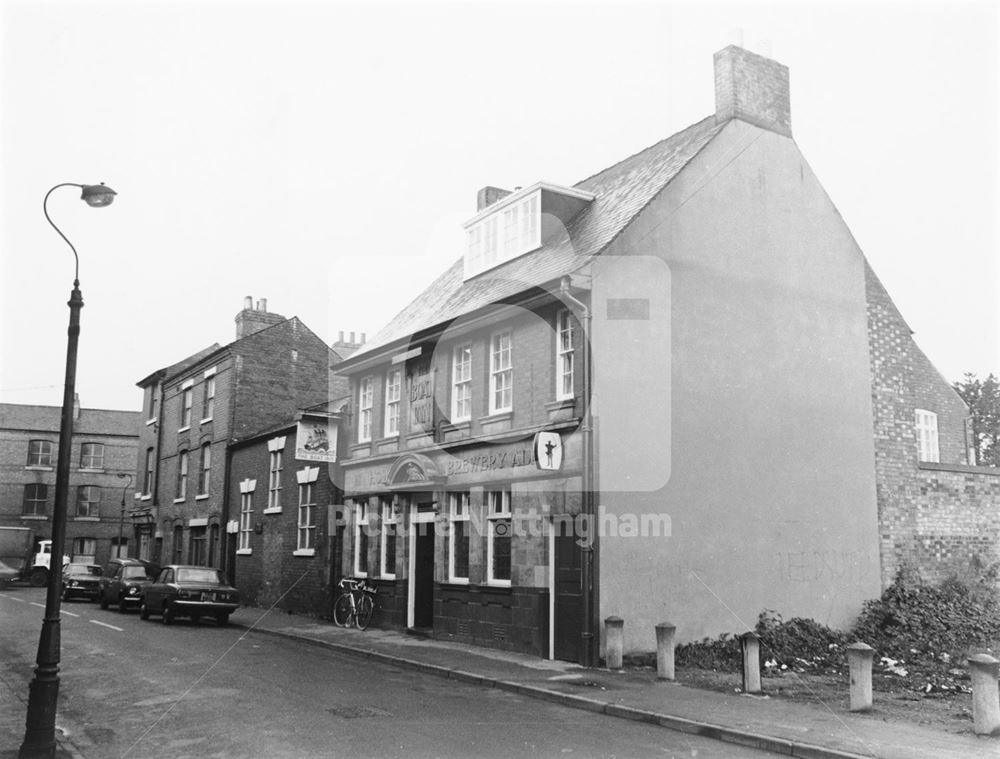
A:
<point x="43" y="693"/>
<point x="121" y="522"/>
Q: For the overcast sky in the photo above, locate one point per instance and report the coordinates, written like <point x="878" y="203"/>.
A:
<point x="324" y="155"/>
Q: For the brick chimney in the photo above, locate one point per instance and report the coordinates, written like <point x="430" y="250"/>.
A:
<point x="346" y="347"/>
<point x="488" y="196"/>
<point x="752" y="88"/>
<point x="253" y="319"/>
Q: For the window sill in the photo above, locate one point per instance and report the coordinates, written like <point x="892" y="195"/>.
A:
<point x="462" y="582"/>
<point x="388" y="438"/>
<point x="244" y="551"/>
<point x="304" y="552"/>
<point x="205" y="421"/>
<point x="386" y="577"/>
<point x="151" y="421"/>
<point x="39" y="468"/>
<point x="86" y="519"/>
<point x="497" y="585"/>
<point x="146" y="497"/>
<point x="276" y="510"/>
<point x="959" y="468"/>
<point x="201" y="497"/>
<point x="90" y="470"/>
<point x="183" y="429"/>
<point x="180" y="500"/>
<point x="503" y="415"/>
<point x="33" y="517"/>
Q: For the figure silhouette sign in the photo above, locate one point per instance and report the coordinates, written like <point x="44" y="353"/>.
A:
<point x="548" y="451"/>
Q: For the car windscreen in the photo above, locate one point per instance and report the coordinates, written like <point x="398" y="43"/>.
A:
<point x="134" y="573"/>
<point x="204" y="576"/>
<point x="82" y="569"/>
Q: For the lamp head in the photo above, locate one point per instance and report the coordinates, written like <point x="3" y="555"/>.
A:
<point x="98" y="195"/>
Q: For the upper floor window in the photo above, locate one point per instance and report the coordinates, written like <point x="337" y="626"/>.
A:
<point x="35" y="497"/>
<point x="461" y="383"/>
<point x="92" y="456"/>
<point x="88" y="501"/>
<point x="182" y="474"/>
<point x="393" y="388"/>
<point x="205" y="471"/>
<point x="187" y="399"/>
<point x="927" y="435"/>
<point x="208" y="402"/>
<point x="564" y="355"/>
<point x="275" y="447"/>
<point x="151" y="402"/>
<point x="40" y="453"/>
<point x="502" y="232"/>
<point x="366" y="398"/>
<point x="501" y="373"/>
<point x="147" y="477"/>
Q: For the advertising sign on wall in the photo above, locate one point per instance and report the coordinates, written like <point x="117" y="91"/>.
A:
<point x="316" y="439"/>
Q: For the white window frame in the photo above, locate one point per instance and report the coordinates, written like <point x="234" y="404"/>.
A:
<point x="494" y="515"/>
<point x="208" y="402"/>
<point x="94" y="460"/>
<point x="366" y="401"/>
<point x="183" y="461"/>
<point x="39" y="504"/>
<point x="147" y="482"/>
<point x="565" y="356"/>
<point x="393" y="394"/>
<point x="501" y="372"/>
<point x="246" y="517"/>
<point x="360" y="523"/>
<point x="275" y="448"/>
<point x="461" y="383"/>
<point x="927" y="436"/>
<point x="390" y="518"/>
<point x="93" y="510"/>
<point x="45" y="453"/>
<point x="306" y="543"/>
<point x="458" y="511"/>
<point x="205" y="470"/>
<point x="187" y="401"/>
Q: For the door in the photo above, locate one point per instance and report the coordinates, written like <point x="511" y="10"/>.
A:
<point x="423" y="576"/>
<point x="568" y="597"/>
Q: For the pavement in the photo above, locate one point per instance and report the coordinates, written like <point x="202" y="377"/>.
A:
<point x="792" y="728"/>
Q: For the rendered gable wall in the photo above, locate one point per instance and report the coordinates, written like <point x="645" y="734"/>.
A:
<point x="770" y="488"/>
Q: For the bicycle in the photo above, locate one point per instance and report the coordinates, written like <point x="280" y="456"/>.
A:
<point x="356" y="603"/>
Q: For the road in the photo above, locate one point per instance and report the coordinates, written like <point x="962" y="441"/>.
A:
<point x="143" y="690"/>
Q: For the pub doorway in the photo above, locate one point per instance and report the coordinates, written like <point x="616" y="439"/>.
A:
<point x="421" y="584"/>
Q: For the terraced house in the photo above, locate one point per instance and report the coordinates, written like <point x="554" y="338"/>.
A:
<point x="648" y="394"/>
<point x="196" y="409"/>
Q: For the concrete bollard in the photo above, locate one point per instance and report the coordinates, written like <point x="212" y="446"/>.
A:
<point x="984" y="670"/>
<point x="750" y="647"/>
<point x="859" y="665"/>
<point x="665" y="650"/>
<point x="614" y="641"/>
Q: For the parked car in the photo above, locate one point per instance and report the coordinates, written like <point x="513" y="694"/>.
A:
<point x="123" y="582"/>
<point x="81" y="581"/>
<point x="180" y="590"/>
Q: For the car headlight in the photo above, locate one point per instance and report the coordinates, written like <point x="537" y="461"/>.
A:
<point x="73" y="583"/>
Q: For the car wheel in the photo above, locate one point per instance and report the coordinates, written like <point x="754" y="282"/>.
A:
<point x="104" y="601"/>
<point x="39" y="576"/>
<point x="168" y="614"/>
<point x="143" y="611"/>
<point x="222" y="619"/>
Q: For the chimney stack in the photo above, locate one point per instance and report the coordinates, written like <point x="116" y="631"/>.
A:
<point x="752" y="88"/>
<point x="346" y="348"/>
<point x="488" y="196"/>
<point x="251" y="320"/>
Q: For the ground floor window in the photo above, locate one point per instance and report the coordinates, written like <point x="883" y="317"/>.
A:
<point x="88" y="501"/>
<point x="119" y="548"/>
<point x="84" y="550"/>
<point x="361" y="540"/>
<point x="198" y="548"/>
<point x="178" y="544"/>
<point x="246" y="514"/>
<point x="498" y="533"/>
<point x="458" y="546"/>
<point x="307" y="509"/>
<point x="387" y="552"/>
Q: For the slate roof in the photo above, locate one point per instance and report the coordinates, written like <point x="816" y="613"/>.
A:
<point x="180" y="366"/>
<point x="621" y="191"/>
<point x="15" y="416"/>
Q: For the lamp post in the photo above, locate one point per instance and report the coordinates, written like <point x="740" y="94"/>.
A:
<point x="43" y="693"/>
<point x="121" y="521"/>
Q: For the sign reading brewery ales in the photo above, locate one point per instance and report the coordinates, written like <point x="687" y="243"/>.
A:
<point x="420" y="396"/>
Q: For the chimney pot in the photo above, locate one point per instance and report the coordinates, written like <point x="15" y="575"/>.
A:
<point x="488" y="196"/>
<point x="262" y="305"/>
<point x="362" y="338"/>
<point x="352" y="338"/>
<point x="248" y="303"/>
<point x="752" y="88"/>
<point x="340" y="337"/>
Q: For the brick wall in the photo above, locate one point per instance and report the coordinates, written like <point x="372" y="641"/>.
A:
<point x="937" y="519"/>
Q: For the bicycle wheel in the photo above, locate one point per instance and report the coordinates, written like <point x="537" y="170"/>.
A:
<point x="366" y="607"/>
<point x="342" y="610"/>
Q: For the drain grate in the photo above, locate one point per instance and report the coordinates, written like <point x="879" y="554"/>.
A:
<point x="355" y="711"/>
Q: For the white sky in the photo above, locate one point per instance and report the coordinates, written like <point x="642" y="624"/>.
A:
<point x="324" y="155"/>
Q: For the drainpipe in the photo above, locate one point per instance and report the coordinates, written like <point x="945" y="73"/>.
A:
<point x="587" y="652"/>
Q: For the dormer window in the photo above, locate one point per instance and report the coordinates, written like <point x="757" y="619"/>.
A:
<point x="514" y="224"/>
